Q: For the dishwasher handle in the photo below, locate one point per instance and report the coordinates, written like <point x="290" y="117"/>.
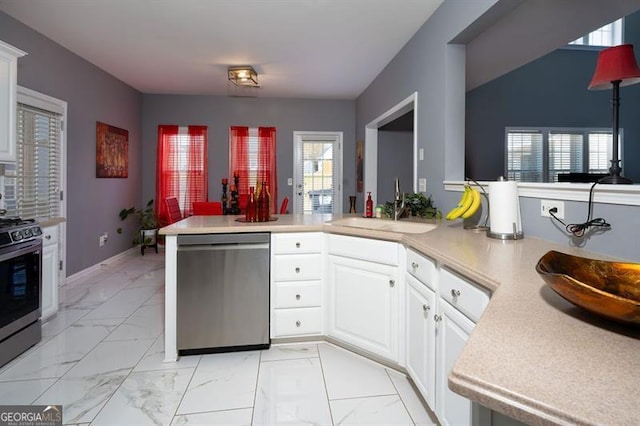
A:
<point x="214" y="239"/>
<point x="223" y="247"/>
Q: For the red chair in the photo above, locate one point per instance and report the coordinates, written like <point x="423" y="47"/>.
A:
<point x="207" y="208"/>
<point x="283" y="206"/>
<point x="173" y="209"/>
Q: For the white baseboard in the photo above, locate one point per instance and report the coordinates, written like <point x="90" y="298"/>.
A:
<point x="92" y="269"/>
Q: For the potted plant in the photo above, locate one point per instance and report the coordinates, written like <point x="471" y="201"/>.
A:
<point x="147" y="230"/>
<point x="417" y="205"/>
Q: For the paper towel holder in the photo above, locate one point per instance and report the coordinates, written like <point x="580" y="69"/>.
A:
<point x="515" y="235"/>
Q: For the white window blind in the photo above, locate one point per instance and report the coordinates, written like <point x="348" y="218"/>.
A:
<point x="32" y="186"/>
<point x="541" y="154"/>
<point x="524" y="156"/>
<point x="565" y="154"/>
<point x="599" y="152"/>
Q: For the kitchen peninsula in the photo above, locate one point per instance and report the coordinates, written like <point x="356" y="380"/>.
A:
<point x="532" y="355"/>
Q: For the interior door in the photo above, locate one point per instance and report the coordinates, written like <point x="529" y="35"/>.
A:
<point x="317" y="172"/>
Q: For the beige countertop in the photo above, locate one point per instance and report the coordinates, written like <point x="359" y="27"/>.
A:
<point x="532" y="355"/>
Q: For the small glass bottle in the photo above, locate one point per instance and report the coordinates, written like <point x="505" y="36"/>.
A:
<point x="267" y="202"/>
<point x="250" y="211"/>
<point x="260" y="211"/>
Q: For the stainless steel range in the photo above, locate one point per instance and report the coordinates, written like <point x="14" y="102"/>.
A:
<point x="20" y="286"/>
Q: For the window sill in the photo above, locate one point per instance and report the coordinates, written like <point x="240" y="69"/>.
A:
<point x="628" y="195"/>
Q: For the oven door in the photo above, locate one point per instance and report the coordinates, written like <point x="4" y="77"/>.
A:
<point x="20" y="286"/>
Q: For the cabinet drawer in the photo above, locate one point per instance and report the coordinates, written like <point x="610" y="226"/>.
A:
<point x="422" y="268"/>
<point x="384" y="252"/>
<point x="49" y="236"/>
<point x="297" y="295"/>
<point x="469" y="298"/>
<point x="290" y="322"/>
<point x="298" y="243"/>
<point x="297" y="267"/>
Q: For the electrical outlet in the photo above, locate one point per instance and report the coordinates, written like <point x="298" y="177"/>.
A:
<point x="546" y="205"/>
<point x="422" y="185"/>
<point x="101" y="240"/>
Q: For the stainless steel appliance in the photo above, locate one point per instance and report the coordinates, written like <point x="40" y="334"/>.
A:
<point x="20" y="286"/>
<point x="223" y="292"/>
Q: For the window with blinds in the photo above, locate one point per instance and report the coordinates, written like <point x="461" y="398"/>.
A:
<point x="32" y="184"/>
<point x="318" y="177"/>
<point x="541" y="154"/>
<point x="607" y="35"/>
<point x="524" y="156"/>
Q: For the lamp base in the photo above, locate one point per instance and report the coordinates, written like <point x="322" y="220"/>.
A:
<point x="615" y="179"/>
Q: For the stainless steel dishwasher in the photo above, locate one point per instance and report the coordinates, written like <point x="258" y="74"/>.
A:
<point x="223" y="292"/>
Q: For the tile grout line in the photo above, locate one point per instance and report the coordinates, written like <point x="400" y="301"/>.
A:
<point x="324" y="381"/>
<point x="399" y="396"/>
<point x="255" y="390"/>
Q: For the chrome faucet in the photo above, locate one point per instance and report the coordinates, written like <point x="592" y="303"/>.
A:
<point x="397" y="198"/>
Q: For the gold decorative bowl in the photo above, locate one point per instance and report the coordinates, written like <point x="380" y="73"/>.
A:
<point x="609" y="289"/>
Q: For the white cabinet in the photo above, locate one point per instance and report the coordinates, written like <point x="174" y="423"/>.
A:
<point x="50" y="271"/>
<point x="421" y="338"/>
<point x="363" y="305"/>
<point x="441" y="310"/>
<point x="296" y="284"/>
<point x="460" y="305"/>
<point x="8" y="88"/>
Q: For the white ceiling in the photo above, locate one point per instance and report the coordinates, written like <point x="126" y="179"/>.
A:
<point x="300" y="48"/>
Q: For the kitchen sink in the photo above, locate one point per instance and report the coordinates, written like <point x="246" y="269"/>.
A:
<point x="385" y="225"/>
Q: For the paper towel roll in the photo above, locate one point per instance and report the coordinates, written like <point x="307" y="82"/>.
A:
<point x="504" y="207"/>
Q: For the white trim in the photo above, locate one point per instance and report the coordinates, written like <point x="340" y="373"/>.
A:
<point x="627" y="195"/>
<point x="95" y="268"/>
<point x="371" y="143"/>
<point x="48" y="103"/>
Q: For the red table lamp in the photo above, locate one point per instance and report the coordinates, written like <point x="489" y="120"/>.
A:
<point x="616" y="67"/>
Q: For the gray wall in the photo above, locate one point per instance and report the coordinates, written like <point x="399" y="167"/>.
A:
<point x="92" y="95"/>
<point x="219" y="113"/>
<point x="431" y="66"/>
<point x="548" y="92"/>
<point x="395" y="157"/>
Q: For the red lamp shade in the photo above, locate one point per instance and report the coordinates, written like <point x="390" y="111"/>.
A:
<point x="616" y="63"/>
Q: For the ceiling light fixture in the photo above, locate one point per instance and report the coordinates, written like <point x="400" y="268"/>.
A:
<point x="243" y="76"/>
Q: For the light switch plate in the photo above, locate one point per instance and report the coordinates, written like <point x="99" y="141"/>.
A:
<point x="421" y="154"/>
<point x="422" y="185"/>
<point x="290" y="181"/>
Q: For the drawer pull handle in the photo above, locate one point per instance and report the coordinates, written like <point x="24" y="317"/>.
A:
<point x="297" y="245"/>
<point x="297" y="297"/>
<point x="455" y="293"/>
<point x="437" y="318"/>
<point x="426" y="307"/>
<point x="392" y="283"/>
<point x="48" y="237"/>
<point x="297" y="270"/>
<point x="414" y="265"/>
<point x="298" y="323"/>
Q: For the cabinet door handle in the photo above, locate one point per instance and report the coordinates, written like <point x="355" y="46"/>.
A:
<point x="455" y="293"/>
<point x="47" y="237"/>
<point x="414" y="265"/>
<point x="298" y="323"/>
<point x="297" y="245"/>
<point x="392" y="283"/>
<point x="426" y="307"/>
<point x="297" y="297"/>
<point x="297" y="270"/>
<point x="437" y="318"/>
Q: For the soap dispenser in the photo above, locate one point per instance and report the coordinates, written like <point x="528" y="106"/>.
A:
<point x="369" y="206"/>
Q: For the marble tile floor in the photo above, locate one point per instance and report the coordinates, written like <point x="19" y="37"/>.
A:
<point x="101" y="357"/>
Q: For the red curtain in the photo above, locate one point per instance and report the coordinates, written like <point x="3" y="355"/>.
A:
<point x="240" y="160"/>
<point x="181" y="168"/>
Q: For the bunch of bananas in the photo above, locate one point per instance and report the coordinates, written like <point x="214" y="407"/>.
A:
<point x="467" y="206"/>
